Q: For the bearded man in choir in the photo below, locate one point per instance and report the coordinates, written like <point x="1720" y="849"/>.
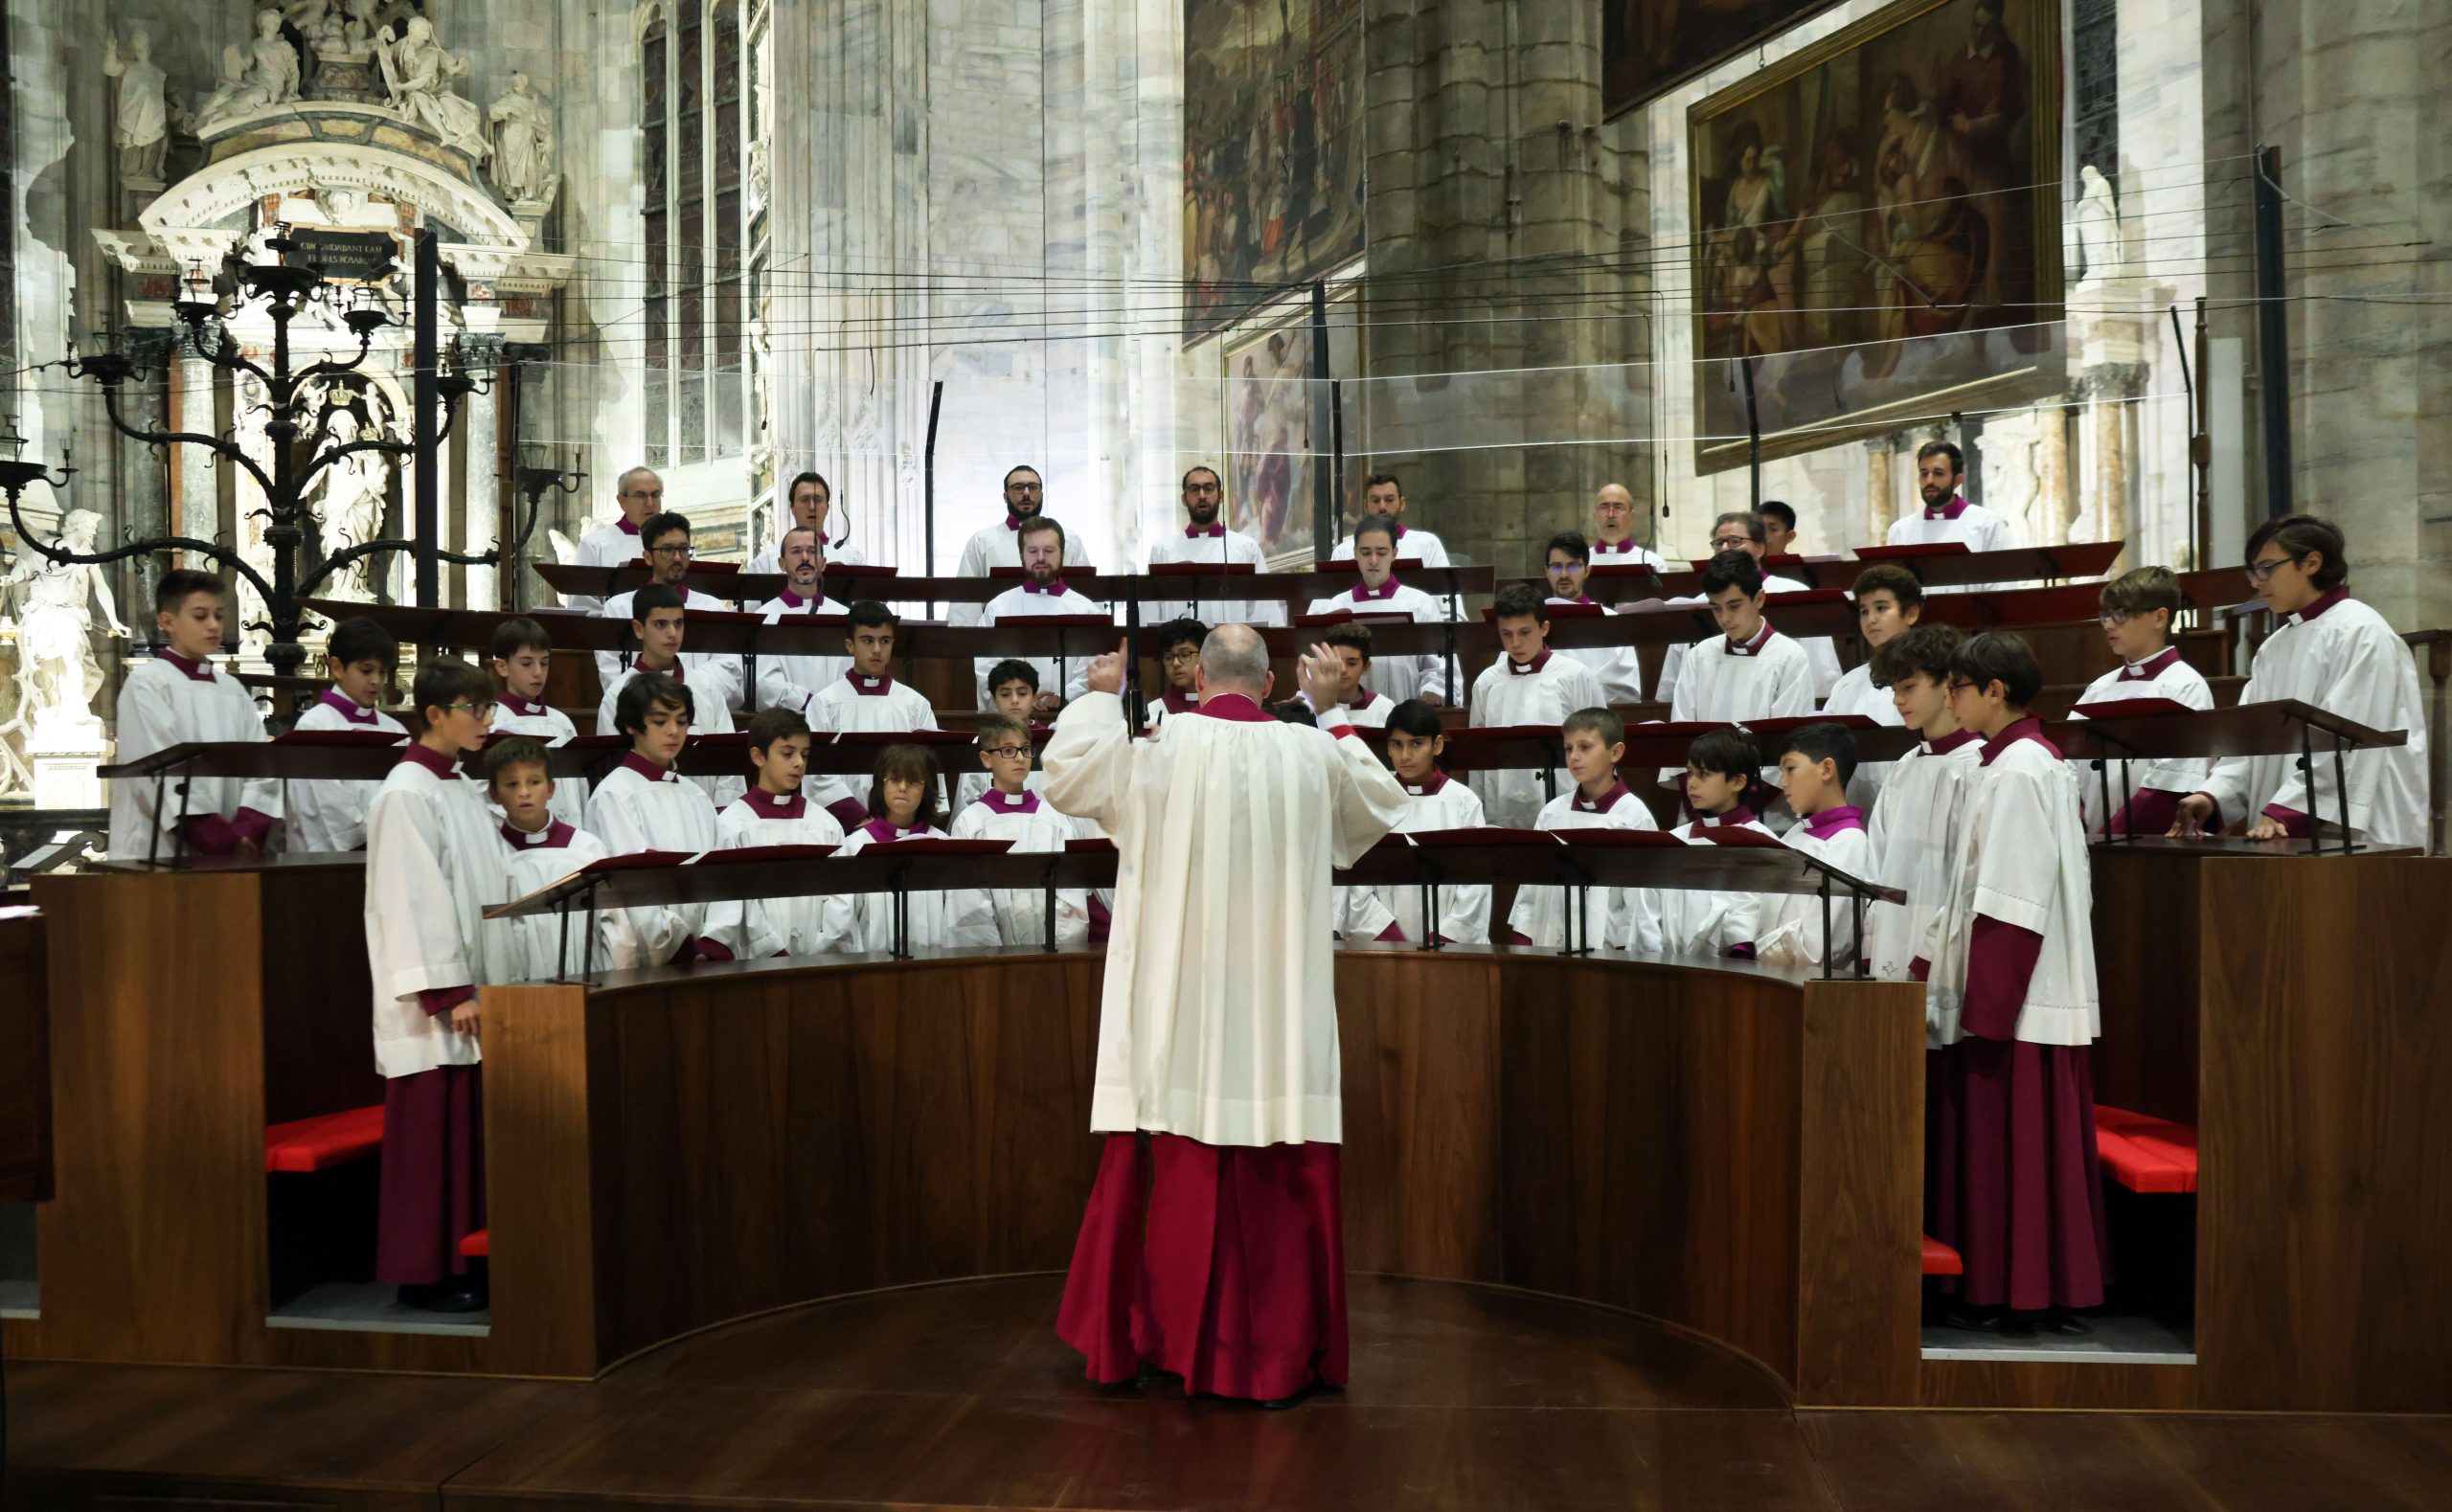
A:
<point x="1941" y="470"/>
<point x="1000" y="545"/>
<point x="1207" y="540"/>
<point x="1217" y="1038"/>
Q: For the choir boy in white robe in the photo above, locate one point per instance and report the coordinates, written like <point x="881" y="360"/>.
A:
<point x="1744" y="530"/>
<point x="1207" y="540"/>
<point x="1626" y="919"/>
<point x="1012" y="809"/>
<point x="1179" y="643"/>
<point x="1364" y="707"/>
<point x="1528" y="685"/>
<point x="865" y="700"/>
<point x="902" y="795"/>
<point x="640" y="494"/>
<point x="328" y="816"/>
<point x="1919" y="824"/>
<point x="812" y="498"/>
<point x="2015" y="1180"/>
<point x="1815" y="765"/>
<point x="1415" y="742"/>
<point x="1940" y="468"/>
<point x="776" y="812"/>
<point x="1384" y="498"/>
<point x="522" y="658"/>
<point x="660" y="624"/>
<point x="434" y="864"/>
<point x="668" y="538"/>
<point x="1043" y="592"/>
<point x="2330" y="650"/>
<point x="1217" y="1037"/>
<point x="179" y="698"/>
<point x="1889" y="602"/>
<point x="641" y="804"/>
<point x="788" y="678"/>
<point x="1778" y="528"/>
<point x="1723" y="766"/>
<point x="1379" y="593"/>
<point x="539" y="849"/>
<point x="2137" y="612"/>
<point x="1568" y="564"/>
<point x="1748" y="670"/>
<point x="1613" y="529"/>
<point x="999" y="545"/>
<point x="1013" y="690"/>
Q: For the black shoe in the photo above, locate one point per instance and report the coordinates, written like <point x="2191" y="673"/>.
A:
<point x="2065" y="1324"/>
<point x="444" y="1297"/>
<point x="1969" y="1319"/>
<point x="1302" y="1394"/>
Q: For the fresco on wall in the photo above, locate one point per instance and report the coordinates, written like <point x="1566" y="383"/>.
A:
<point x="1647" y="47"/>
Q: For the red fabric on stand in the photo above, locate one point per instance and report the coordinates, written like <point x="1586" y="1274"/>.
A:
<point x="439" y="1001"/>
<point x="2293" y="822"/>
<point x="1101" y="922"/>
<point x="209" y="835"/>
<point x="2016" y="1185"/>
<point x="710" y="949"/>
<point x="434" y="1174"/>
<point x="251" y="825"/>
<point x="2150" y="811"/>
<point x="1394" y="933"/>
<point x="1236" y="1285"/>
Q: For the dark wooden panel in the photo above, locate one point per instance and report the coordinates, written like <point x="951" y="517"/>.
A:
<point x="540" y="1137"/>
<point x="2049" y="1383"/>
<point x="318" y="996"/>
<point x="2325" y="1217"/>
<point x="2149" y="940"/>
<point x="25" y="1062"/>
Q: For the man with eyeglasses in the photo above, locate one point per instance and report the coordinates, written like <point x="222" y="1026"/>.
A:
<point x="711" y="673"/>
<point x="1384" y="496"/>
<point x="791" y="678"/>
<point x="809" y="500"/>
<point x="2333" y="651"/>
<point x="1613" y="534"/>
<point x="1941" y="470"/>
<point x="1207" y="540"/>
<point x="1743" y="530"/>
<point x="640" y="493"/>
<point x="1000" y="545"/>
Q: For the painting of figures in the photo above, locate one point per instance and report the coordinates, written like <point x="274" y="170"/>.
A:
<point x="1649" y="46"/>
<point x="1272" y="150"/>
<point x="1273" y="407"/>
<point x="1877" y="228"/>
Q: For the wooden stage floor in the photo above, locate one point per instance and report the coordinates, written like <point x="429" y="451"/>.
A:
<point x="960" y="1396"/>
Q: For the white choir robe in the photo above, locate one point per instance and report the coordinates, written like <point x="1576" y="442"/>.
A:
<point x="1615" y="667"/>
<point x="972" y="786"/>
<point x="1167" y="706"/>
<point x="1820" y="651"/>
<point x="999" y="545"/>
<point x="1368" y="711"/>
<point x="1857" y="694"/>
<point x="325" y="816"/>
<point x="961" y="919"/>
<point x="789" y="678"/>
<point x="1464" y="911"/>
<point x="2155" y="787"/>
<point x="638" y="807"/>
<point x="855" y="704"/>
<point x="1621" y="918"/>
<point x="434" y="864"/>
<point x="1916" y="834"/>
<point x="1695" y="922"/>
<point x="2024" y="864"/>
<point x="709" y="716"/>
<point x="1220" y="547"/>
<point x="1790" y="933"/>
<point x="1541" y="691"/>
<point x="1032" y="824"/>
<point x="161" y="705"/>
<point x="514" y="715"/>
<point x="837" y="553"/>
<point x="1400" y="677"/>
<point x="708" y="669"/>
<point x="1219" y="1018"/>
<point x="1412" y="546"/>
<point x="1724" y="682"/>
<point x="1624" y="553"/>
<point x="530" y="948"/>
<point x="614" y="545"/>
<point x="1069" y="675"/>
<point x="1958" y="520"/>
<point x="2339" y="655"/>
<point x="803" y="924"/>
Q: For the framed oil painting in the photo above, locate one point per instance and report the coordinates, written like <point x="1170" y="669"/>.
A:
<point x="1648" y="47"/>
<point x="1274" y="411"/>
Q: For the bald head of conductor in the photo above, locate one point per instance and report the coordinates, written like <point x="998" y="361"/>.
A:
<point x="640" y="493"/>
<point x="1234" y="661"/>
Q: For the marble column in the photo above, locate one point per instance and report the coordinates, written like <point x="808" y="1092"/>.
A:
<point x="481" y="489"/>
<point x="2110" y="390"/>
<point x="1881" y="495"/>
<point x="197" y="509"/>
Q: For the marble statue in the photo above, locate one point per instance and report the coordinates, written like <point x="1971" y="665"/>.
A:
<point x="144" y="126"/>
<point x="2094" y="226"/>
<point x="57" y="675"/>
<point x="251" y="81"/>
<point x="352" y="492"/>
<point x="319" y="21"/>
<point x="523" y="162"/>
<point x="418" y="73"/>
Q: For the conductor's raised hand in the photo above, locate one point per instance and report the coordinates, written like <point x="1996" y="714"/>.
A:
<point x="1321" y="676"/>
<point x="1106" y="672"/>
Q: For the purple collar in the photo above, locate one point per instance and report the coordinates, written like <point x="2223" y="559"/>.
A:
<point x="193" y="671"/>
<point x="868" y="686"/>
<point x="793" y="601"/>
<point x="1386" y="590"/>
<point x="2323" y="601"/>
<point x="554" y="836"/>
<point x="341" y="704"/>
<point x="2027" y="729"/>
<point x="1604" y="803"/>
<point x="1176" y="703"/>
<point x="2150" y="668"/>
<point x="1024" y="802"/>
<point x="882" y="830"/>
<point x="647" y="769"/>
<point x="775" y="806"/>
<point x="1424" y="789"/>
<point x="1012" y="521"/>
<point x="1948" y="511"/>
<point x="1235" y="706"/>
<point x="1213" y="532"/>
<point x="1949" y="742"/>
<point x="1054" y="590"/>
<point x="520" y="706"/>
<point x="1830" y="820"/>
<point x="1735" y="818"/>
<point x="428" y="757"/>
<point x="1625" y="548"/>
<point x="1753" y="647"/>
<point x="678" y="672"/>
<point x="1516" y="669"/>
<point x="624" y="526"/>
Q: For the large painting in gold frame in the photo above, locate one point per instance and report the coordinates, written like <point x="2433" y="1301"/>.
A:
<point x="1878" y="229"/>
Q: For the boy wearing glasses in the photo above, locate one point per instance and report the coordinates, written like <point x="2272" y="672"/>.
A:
<point x="2137" y="612"/>
<point x="1012" y="809"/>
<point x="1179" y="643"/>
<point x="667" y="553"/>
<point x="1568" y="563"/>
<point x="1207" y="540"/>
<point x="2330" y="650"/>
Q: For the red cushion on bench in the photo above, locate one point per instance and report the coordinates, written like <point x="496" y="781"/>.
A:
<point x="2142" y="1154"/>
<point x="473" y="1247"/>
<point x="1940" y="1259"/>
<point x="323" y="1141"/>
